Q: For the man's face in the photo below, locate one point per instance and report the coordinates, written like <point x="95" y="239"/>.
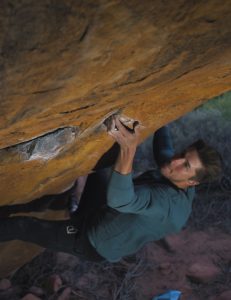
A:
<point x="182" y="168"/>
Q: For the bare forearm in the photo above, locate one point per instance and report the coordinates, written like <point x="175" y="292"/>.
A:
<point x="124" y="161"/>
<point x="128" y="140"/>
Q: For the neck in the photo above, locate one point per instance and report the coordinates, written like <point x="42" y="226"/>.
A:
<point x="181" y="184"/>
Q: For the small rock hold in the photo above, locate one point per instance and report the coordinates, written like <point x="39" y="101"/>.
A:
<point x="37" y="291"/>
<point x="173" y="242"/>
<point x="66" y="259"/>
<point x="54" y="283"/>
<point x="203" y="272"/>
<point x="30" y="296"/>
<point x="225" y="295"/>
<point x="65" y="295"/>
<point x="165" y="268"/>
<point x="4" y="284"/>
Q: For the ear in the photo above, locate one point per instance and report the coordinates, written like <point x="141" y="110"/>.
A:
<point x="192" y="182"/>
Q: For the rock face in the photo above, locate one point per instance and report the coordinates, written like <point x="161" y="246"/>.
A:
<point x="67" y="65"/>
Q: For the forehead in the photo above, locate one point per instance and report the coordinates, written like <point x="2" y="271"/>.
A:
<point x="193" y="158"/>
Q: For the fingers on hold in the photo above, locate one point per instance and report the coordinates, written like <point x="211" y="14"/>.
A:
<point x="136" y="127"/>
<point x="121" y="127"/>
<point x="114" y="132"/>
<point x="135" y="124"/>
<point x="115" y="124"/>
<point x="111" y="132"/>
<point x="118" y="122"/>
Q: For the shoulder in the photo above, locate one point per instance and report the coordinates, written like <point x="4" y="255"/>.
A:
<point x="181" y="197"/>
<point x="172" y="196"/>
<point x="179" y="206"/>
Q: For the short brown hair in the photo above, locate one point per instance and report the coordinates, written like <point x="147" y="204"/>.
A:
<point x="211" y="160"/>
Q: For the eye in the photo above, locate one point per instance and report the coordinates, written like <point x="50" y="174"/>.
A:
<point x="187" y="165"/>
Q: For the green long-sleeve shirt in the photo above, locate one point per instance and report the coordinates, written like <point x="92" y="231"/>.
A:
<point x="139" y="214"/>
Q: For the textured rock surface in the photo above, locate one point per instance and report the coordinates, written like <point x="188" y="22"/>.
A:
<point x="30" y="296"/>
<point x="203" y="272"/>
<point x="225" y="296"/>
<point x="66" y="65"/>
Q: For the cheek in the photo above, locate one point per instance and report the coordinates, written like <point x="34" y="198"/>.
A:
<point x="180" y="171"/>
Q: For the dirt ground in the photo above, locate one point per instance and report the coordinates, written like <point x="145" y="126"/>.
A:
<point x="197" y="263"/>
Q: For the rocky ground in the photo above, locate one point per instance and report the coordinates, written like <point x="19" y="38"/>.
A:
<point x="197" y="261"/>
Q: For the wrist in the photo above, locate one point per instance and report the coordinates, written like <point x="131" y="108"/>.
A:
<point x="128" y="152"/>
<point x="125" y="161"/>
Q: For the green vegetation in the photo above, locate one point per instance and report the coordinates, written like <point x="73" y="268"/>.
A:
<point x="221" y="103"/>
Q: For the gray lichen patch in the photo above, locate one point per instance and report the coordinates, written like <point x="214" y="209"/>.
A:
<point x="41" y="148"/>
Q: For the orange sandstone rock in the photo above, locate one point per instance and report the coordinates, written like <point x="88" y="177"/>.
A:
<point x="65" y="66"/>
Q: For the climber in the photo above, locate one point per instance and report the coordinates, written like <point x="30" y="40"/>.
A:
<point x="115" y="218"/>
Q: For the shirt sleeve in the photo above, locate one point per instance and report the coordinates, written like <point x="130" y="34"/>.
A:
<point x="146" y="200"/>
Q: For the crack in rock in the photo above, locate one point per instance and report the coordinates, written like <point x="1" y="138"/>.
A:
<point x="77" y="109"/>
<point x="49" y="145"/>
<point x="43" y="148"/>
